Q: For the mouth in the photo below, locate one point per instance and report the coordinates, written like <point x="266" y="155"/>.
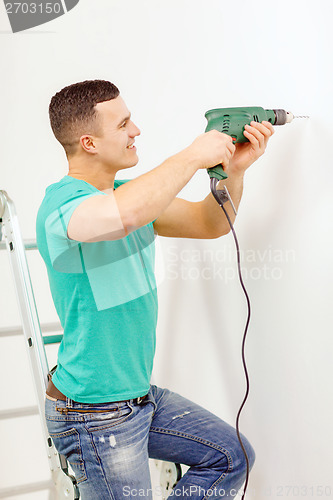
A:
<point x="131" y="146"/>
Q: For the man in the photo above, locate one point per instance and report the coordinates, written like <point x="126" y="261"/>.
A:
<point x="96" y="235"/>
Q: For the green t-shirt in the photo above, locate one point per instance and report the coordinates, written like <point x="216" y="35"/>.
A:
<point x="106" y="298"/>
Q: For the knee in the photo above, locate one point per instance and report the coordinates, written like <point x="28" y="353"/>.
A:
<point x="233" y="459"/>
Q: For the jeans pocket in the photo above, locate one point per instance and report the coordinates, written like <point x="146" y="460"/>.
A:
<point x="107" y="419"/>
<point x="68" y="444"/>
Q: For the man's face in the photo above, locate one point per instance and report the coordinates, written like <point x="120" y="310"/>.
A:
<point x="115" y="145"/>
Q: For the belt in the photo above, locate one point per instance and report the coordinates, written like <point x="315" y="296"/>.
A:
<point x="53" y="392"/>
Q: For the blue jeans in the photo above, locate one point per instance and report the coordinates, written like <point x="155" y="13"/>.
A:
<point x="108" y="446"/>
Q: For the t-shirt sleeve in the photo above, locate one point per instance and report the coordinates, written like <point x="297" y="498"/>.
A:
<point x="120" y="182"/>
<point x="63" y="252"/>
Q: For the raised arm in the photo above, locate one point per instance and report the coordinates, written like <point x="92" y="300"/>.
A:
<point x="142" y="200"/>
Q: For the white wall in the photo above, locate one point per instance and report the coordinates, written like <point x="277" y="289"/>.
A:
<point x="173" y="61"/>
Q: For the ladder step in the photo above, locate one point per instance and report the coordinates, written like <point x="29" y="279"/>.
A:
<point x="26" y="488"/>
<point x="19" y="412"/>
<point x="9" y="331"/>
<point x="28" y="245"/>
<point x="52" y="339"/>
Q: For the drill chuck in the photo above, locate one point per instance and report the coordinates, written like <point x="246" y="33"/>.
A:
<point x="282" y="117"/>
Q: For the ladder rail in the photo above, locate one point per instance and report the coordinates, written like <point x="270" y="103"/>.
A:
<point x="10" y="232"/>
<point x="25" y="296"/>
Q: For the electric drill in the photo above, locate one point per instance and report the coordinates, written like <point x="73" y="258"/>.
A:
<point x="232" y="121"/>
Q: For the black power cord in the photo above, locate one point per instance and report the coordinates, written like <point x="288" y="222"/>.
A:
<point x="222" y="196"/>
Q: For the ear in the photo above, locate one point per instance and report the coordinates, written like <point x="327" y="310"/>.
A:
<point x="88" y="144"/>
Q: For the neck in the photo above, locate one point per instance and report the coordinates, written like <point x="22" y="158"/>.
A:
<point x="94" y="173"/>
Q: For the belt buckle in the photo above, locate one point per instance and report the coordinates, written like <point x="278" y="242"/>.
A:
<point x="140" y="399"/>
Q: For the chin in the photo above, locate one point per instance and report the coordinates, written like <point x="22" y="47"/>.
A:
<point x="132" y="163"/>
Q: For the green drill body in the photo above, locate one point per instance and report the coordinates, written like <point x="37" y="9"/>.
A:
<point x="232" y="121"/>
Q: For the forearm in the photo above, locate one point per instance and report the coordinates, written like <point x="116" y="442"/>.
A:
<point x="143" y="199"/>
<point x="212" y="212"/>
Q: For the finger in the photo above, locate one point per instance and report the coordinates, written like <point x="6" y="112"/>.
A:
<point x="227" y="154"/>
<point x="225" y="162"/>
<point x="230" y="151"/>
<point x="269" y="126"/>
<point x="227" y="136"/>
<point x="231" y="147"/>
<point x="261" y="128"/>
<point x="265" y="130"/>
<point x="253" y="135"/>
<point x="261" y="132"/>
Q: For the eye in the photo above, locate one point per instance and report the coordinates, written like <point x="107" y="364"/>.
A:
<point x="124" y="124"/>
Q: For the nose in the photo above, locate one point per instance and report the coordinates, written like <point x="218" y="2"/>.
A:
<point x="134" y="130"/>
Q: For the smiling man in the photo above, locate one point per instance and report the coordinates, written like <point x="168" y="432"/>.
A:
<point x="96" y="235"/>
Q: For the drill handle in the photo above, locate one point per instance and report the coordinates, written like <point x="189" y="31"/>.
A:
<point x="217" y="172"/>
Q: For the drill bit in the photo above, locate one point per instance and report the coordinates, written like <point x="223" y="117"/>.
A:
<point x="286" y="117"/>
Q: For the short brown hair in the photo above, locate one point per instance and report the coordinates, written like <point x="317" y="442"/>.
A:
<point x="72" y="111"/>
